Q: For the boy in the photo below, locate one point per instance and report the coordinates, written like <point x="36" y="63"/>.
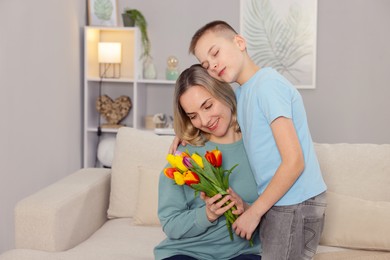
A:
<point x="271" y="114"/>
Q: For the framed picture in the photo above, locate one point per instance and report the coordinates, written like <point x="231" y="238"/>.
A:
<point x="102" y="13"/>
<point x="282" y="34"/>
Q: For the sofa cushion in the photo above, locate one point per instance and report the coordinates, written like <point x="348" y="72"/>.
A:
<point x="147" y="202"/>
<point x="357" y="176"/>
<point x="357" y="170"/>
<point x="117" y="239"/>
<point x="353" y="255"/>
<point x="356" y="223"/>
<point x="133" y="147"/>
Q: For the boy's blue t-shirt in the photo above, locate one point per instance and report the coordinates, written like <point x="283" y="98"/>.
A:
<point x="262" y="99"/>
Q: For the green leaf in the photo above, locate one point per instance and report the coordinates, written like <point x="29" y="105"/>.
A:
<point x="226" y="176"/>
<point x="103" y="9"/>
<point x="276" y="41"/>
<point x="141" y="23"/>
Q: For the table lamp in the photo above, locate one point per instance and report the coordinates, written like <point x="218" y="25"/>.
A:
<point x="109" y="58"/>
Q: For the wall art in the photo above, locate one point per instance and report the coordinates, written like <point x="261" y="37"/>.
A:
<point x="102" y="13"/>
<point x="282" y="34"/>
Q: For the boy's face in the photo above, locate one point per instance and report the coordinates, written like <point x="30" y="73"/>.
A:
<point x="222" y="56"/>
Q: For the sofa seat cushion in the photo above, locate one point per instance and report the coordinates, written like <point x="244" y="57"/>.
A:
<point x="27" y="254"/>
<point x="117" y="239"/>
<point x="120" y="239"/>
<point x="353" y="255"/>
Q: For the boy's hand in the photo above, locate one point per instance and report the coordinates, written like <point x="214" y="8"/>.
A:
<point x="175" y="143"/>
<point x="246" y="224"/>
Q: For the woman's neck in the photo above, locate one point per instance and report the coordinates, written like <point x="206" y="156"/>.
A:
<point x="230" y="137"/>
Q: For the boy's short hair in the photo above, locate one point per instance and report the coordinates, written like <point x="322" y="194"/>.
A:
<point x="214" y="26"/>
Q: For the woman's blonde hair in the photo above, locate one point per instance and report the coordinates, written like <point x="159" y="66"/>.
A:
<point x="196" y="75"/>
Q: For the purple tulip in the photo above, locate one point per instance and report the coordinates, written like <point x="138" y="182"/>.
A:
<point x="187" y="161"/>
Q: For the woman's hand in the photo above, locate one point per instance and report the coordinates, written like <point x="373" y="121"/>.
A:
<point x="215" y="205"/>
<point x="175" y="143"/>
<point x="240" y="204"/>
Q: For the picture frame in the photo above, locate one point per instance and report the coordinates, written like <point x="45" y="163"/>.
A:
<point x="102" y="13"/>
<point x="282" y="34"/>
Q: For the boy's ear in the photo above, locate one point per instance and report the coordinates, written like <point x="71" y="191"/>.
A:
<point x="240" y="41"/>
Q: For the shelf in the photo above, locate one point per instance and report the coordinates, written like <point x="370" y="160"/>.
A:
<point x="129" y="80"/>
<point x="129" y="39"/>
<point x="146" y="94"/>
<point x="157" y="81"/>
<point x="104" y="130"/>
<point x="164" y="131"/>
<point x="119" y="80"/>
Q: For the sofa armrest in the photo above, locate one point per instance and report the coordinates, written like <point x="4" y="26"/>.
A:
<point x="65" y="213"/>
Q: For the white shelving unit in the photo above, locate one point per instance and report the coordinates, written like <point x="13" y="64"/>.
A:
<point x="144" y="93"/>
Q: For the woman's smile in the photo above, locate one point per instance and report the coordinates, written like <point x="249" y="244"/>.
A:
<point x="213" y="126"/>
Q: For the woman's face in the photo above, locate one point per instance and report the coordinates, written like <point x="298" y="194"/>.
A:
<point x="206" y="112"/>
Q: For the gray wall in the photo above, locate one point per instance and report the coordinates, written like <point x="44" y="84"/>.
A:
<point x="40" y="107"/>
<point x="349" y="103"/>
<point x="41" y="79"/>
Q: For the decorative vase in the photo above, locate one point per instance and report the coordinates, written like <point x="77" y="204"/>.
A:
<point x="127" y="20"/>
<point x="172" y="71"/>
<point x="149" y="69"/>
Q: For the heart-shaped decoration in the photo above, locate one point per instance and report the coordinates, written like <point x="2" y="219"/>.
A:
<point x="113" y="111"/>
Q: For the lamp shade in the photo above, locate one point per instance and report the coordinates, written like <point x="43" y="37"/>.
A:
<point x="109" y="52"/>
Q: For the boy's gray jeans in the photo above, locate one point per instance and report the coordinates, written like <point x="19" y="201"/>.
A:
<point x="293" y="232"/>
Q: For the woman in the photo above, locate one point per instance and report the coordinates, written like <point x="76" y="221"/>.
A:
<point x="205" y="117"/>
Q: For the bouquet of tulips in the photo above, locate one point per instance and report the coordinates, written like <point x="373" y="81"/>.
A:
<point x="202" y="174"/>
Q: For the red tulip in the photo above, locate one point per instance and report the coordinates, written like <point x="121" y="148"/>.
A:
<point x="169" y="172"/>
<point x="214" y="157"/>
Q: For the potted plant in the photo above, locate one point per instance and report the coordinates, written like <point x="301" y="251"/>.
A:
<point x="133" y="17"/>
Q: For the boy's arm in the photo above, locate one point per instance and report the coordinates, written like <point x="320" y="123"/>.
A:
<point x="175" y="143"/>
<point x="291" y="167"/>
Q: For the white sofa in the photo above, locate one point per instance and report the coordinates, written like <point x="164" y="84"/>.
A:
<point x="108" y="214"/>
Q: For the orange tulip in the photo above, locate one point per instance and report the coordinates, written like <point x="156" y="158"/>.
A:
<point x="191" y="178"/>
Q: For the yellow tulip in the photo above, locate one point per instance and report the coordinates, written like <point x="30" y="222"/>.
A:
<point x="171" y="159"/>
<point x="198" y="159"/>
<point x="179" y="178"/>
<point x="176" y="161"/>
<point x="179" y="164"/>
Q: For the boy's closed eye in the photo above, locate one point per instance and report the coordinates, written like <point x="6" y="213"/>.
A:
<point x="208" y="106"/>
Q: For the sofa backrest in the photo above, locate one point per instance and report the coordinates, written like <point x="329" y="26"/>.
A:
<point x="357" y="170"/>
